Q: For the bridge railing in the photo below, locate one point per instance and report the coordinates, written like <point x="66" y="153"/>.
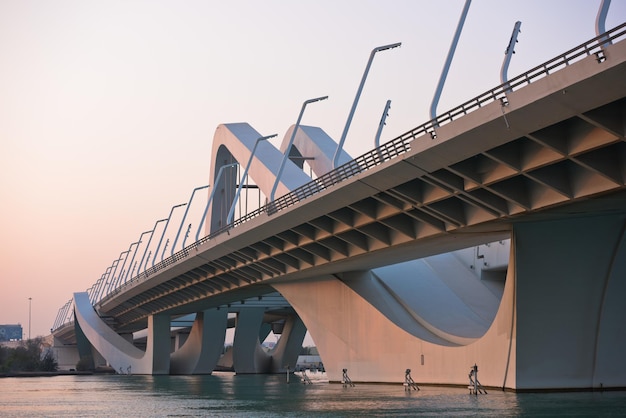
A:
<point x="64" y="315"/>
<point x="397" y="146"/>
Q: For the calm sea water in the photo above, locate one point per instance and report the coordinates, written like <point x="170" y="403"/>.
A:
<point x="227" y="395"/>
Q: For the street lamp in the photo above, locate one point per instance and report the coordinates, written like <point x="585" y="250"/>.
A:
<point x="104" y="283"/>
<point x="231" y="212"/>
<point x="113" y="280"/>
<point x="110" y="283"/>
<point x="508" y="53"/>
<point x="148" y="244"/>
<point x="29" y="315"/>
<point x="184" y="217"/>
<point x="206" y="208"/>
<point x="119" y="276"/>
<point x="134" y="254"/>
<point x="381" y="125"/>
<point x="288" y="150"/>
<point x="95" y="288"/>
<point x="356" y="99"/>
<point x="601" y="20"/>
<point x="156" y="252"/>
<point x="446" y="66"/>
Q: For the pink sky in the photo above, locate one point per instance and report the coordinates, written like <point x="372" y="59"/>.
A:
<point x="107" y="109"/>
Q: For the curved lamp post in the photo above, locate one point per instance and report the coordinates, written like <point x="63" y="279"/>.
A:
<point x="508" y="54"/>
<point x="356" y="99"/>
<point x="601" y="20"/>
<point x="206" y="209"/>
<point x="185" y="216"/>
<point x="100" y="284"/>
<point x="103" y="285"/>
<point x="119" y="276"/>
<point x="94" y="289"/>
<point x="110" y="277"/>
<point x="288" y="150"/>
<point x="134" y="254"/>
<point x="231" y="212"/>
<point x="148" y="244"/>
<point x="381" y="124"/>
<point x="114" y="279"/>
<point x="446" y="66"/>
<point x="156" y="252"/>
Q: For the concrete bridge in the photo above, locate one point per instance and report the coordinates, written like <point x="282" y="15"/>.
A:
<point x="491" y="235"/>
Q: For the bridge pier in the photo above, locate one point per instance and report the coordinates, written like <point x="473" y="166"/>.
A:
<point x="571" y="286"/>
<point x="559" y="324"/>
<point x="285" y="353"/>
<point x="202" y="349"/>
<point x="248" y="355"/>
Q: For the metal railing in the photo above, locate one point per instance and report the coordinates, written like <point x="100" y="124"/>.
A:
<point x="64" y="315"/>
<point x="392" y="148"/>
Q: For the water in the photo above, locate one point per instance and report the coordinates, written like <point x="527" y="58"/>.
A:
<point x="227" y="395"/>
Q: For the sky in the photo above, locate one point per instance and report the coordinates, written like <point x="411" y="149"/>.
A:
<point x="108" y="108"/>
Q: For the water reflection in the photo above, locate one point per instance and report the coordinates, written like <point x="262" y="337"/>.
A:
<point x="224" y="394"/>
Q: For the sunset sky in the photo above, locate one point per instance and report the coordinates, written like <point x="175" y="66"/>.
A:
<point x="108" y="108"/>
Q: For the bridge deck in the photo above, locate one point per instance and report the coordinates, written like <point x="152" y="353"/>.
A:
<point x="552" y="143"/>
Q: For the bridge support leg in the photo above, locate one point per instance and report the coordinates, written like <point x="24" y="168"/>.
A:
<point x="203" y="347"/>
<point x="121" y="354"/>
<point x="285" y="354"/>
<point x="560" y="323"/>
<point x="84" y="348"/>
<point x="159" y="343"/>
<point x="248" y="356"/>
<point x="571" y="284"/>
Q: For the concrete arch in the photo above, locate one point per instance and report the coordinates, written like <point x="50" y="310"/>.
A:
<point x="559" y="323"/>
<point x="441" y="299"/>
<point x="316" y="146"/>
<point x="234" y="142"/>
<point x="437" y="298"/>
<point x="119" y="353"/>
<point x="351" y="333"/>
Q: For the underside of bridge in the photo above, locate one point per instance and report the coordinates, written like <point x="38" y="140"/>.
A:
<point x="496" y="240"/>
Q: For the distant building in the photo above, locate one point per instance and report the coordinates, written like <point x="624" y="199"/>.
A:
<point x="11" y="332"/>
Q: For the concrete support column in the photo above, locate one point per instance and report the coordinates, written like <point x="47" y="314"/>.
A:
<point x="91" y="358"/>
<point x="203" y="347"/>
<point x="286" y="352"/>
<point x="248" y="356"/>
<point x="65" y="354"/>
<point x="179" y="340"/>
<point x="158" y="344"/>
<point x="571" y="286"/>
<point x="84" y="347"/>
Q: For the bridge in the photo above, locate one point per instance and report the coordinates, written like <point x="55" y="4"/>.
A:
<point x="491" y="235"/>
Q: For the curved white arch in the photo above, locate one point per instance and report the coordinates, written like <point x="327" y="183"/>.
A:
<point x="436" y="298"/>
<point x="316" y="146"/>
<point x="233" y="142"/>
<point x="341" y="320"/>
<point x="120" y="354"/>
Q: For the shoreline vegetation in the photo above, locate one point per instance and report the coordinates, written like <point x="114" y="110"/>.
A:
<point x="30" y="356"/>
<point x="44" y="374"/>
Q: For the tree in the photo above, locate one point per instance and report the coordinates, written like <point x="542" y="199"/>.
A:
<point x="48" y="363"/>
<point x="27" y="357"/>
